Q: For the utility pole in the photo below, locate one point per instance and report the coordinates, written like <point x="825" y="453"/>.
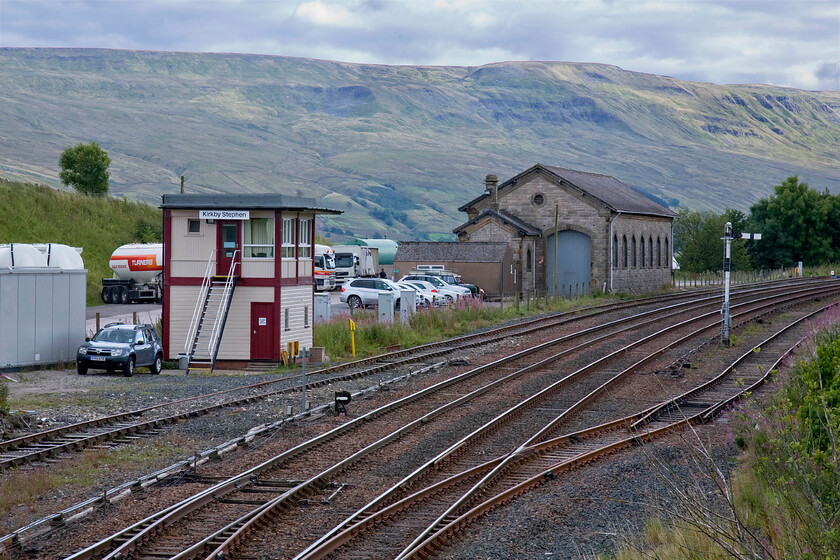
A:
<point x="727" y="262"/>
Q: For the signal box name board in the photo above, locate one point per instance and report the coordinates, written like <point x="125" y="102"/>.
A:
<point x="224" y="214"/>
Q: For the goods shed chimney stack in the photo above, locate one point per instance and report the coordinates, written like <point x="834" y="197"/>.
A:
<point x="492" y="184"/>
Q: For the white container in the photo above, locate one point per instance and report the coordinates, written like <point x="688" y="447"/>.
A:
<point x="21" y="255"/>
<point x="140" y="262"/>
<point x="63" y="256"/>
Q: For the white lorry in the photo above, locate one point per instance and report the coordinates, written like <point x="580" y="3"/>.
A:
<point x="138" y="274"/>
<point x="355" y="261"/>
<point x="324" y="273"/>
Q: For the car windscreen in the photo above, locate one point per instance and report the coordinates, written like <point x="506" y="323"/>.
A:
<point x="124" y="336"/>
<point x="344" y="260"/>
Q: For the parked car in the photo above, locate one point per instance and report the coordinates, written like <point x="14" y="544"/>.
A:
<point x="362" y="292"/>
<point x="120" y="346"/>
<point x="442" y="286"/>
<point x="427" y="298"/>
<point x="429" y="291"/>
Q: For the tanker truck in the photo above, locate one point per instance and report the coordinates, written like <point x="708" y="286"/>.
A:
<point x="138" y="274"/>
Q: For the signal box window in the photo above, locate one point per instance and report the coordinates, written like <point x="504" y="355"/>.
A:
<point x="193" y="227"/>
<point x="305" y="239"/>
<point x="288" y="249"/>
<point x="259" y="238"/>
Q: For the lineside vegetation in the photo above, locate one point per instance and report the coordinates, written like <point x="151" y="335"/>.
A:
<point x="783" y="499"/>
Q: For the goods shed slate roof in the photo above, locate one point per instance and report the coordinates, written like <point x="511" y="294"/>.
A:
<point x="609" y="191"/>
<point x="451" y="251"/>
<point x="271" y="201"/>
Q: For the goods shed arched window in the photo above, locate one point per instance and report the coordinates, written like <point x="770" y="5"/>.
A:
<point x="615" y="251"/>
<point x="633" y="251"/>
<point x="624" y="251"/>
<point x="644" y="254"/>
<point x="658" y="252"/>
<point x="650" y="250"/>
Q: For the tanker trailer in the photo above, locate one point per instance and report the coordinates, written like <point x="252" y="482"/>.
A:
<point x="138" y="274"/>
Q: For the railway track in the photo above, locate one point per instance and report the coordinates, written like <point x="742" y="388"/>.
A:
<point x="150" y="421"/>
<point x="531" y="466"/>
<point x="267" y="492"/>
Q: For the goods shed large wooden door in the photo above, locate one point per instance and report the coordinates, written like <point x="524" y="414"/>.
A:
<point x="572" y="268"/>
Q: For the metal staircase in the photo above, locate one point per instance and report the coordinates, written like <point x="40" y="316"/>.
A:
<point x="209" y="317"/>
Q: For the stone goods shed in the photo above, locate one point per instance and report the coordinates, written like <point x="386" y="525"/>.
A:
<point x="572" y="232"/>
<point x="487" y="264"/>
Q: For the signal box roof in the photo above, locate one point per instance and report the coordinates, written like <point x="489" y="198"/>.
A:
<point x="244" y="202"/>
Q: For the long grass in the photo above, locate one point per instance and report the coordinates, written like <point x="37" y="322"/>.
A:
<point x="41" y="214"/>
<point x="425" y="326"/>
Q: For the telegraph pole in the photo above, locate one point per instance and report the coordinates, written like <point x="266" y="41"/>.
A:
<point x="727" y="264"/>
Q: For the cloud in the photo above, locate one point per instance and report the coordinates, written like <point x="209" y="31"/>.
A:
<point x="323" y="13"/>
<point x="780" y="42"/>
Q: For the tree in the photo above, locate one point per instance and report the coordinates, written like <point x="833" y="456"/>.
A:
<point x="794" y="224"/>
<point x="85" y="168"/>
<point x="697" y="239"/>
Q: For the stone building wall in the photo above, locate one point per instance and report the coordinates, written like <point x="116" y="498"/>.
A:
<point x="533" y="200"/>
<point x="633" y="275"/>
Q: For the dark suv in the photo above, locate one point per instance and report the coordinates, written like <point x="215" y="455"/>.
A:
<point x="121" y="346"/>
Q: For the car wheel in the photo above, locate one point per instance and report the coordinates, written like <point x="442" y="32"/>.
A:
<point x="123" y="294"/>
<point x="81" y="368"/>
<point x="449" y="299"/>
<point x="355" y="302"/>
<point x="106" y="295"/>
<point x="157" y="365"/>
<point x="128" y="371"/>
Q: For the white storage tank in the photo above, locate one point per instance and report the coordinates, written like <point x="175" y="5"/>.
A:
<point x="63" y="256"/>
<point x="19" y="255"/>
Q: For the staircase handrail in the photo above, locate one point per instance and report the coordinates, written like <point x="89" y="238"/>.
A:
<point x="189" y="343"/>
<point x="215" y="334"/>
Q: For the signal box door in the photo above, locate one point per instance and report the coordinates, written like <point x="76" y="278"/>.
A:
<point x="228" y="246"/>
<point x="262" y="331"/>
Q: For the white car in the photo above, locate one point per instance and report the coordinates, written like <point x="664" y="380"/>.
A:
<point x="361" y="292"/>
<point x="427" y="297"/>
<point x="449" y="291"/>
<point x="429" y="292"/>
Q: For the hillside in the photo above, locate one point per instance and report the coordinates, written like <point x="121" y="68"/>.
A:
<point x="400" y="148"/>
<point x="39" y="214"/>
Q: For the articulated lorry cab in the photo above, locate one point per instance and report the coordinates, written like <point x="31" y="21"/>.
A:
<point x="324" y="272"/>
<point x="355" y="261"/>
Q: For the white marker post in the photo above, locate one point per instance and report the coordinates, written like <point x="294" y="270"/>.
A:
<point x="727" y="247"/>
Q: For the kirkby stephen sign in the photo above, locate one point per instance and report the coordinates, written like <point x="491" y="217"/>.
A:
<point x="224" y="214"/>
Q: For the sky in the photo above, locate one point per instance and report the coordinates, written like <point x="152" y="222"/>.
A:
<point x="788" y="43"/>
